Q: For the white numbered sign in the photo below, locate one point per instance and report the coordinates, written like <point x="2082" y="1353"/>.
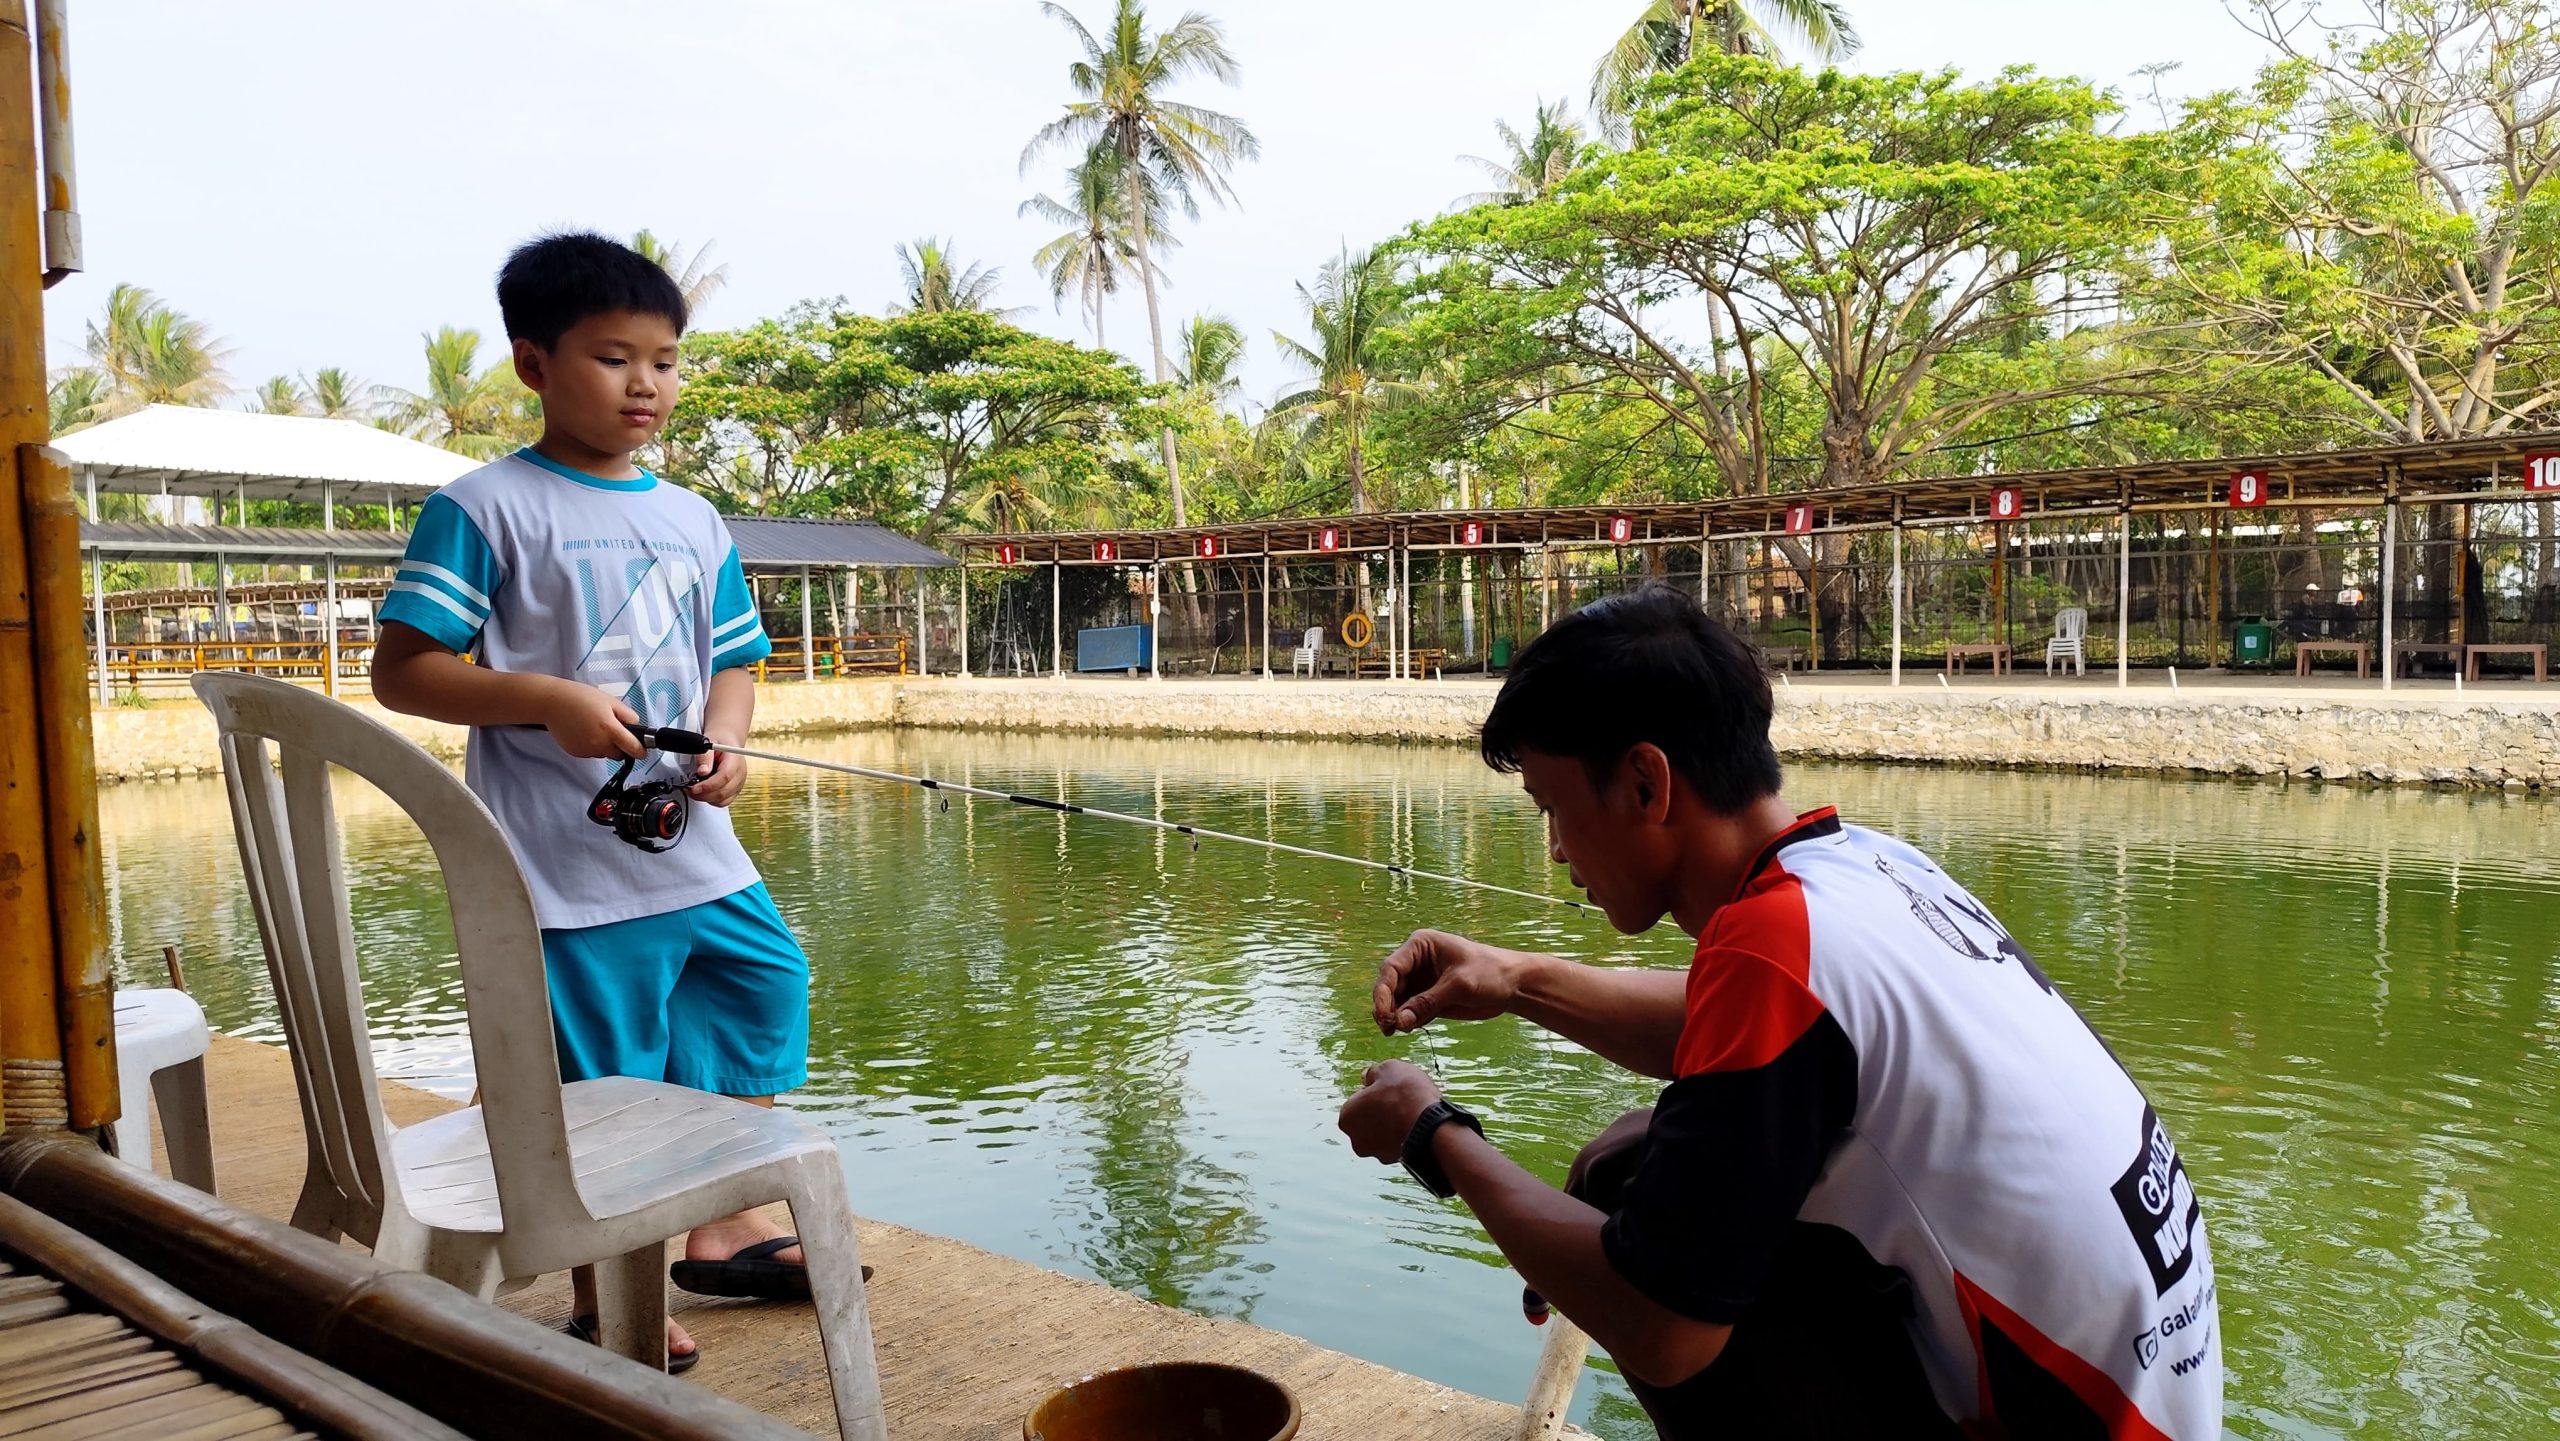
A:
<point x="1621" y="529"/>
<point x="1106" y="550"/>
<point x="1472" y="533"/>
<point x="1008" y="554"/>
<point x="1329" y="539"/>
<point x="2249" y="489"/>
<point x="1208" y="547"/>
<point x="1799" y="519"/>
<point x="2542" y="472"/>
<point x="2008" y="503"/>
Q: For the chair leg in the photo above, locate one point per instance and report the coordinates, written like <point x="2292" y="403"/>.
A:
<point x="631" y="1304"/>
<point x="823" y="1216"/>
<point x="186" y="1123"/>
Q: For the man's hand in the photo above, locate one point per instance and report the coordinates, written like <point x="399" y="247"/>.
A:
<point x="588" y="722"/>
<point x="1381" y="1113"/>
<point x="721" y="776"/>
<point x="1435" y="974"/>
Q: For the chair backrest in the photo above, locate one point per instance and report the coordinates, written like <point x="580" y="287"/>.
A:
<point x="1314" y="640"/>
<point x="2072" y="624"/>
<point x="289" y="850"/>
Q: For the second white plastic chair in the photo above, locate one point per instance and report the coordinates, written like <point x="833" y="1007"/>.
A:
<point x="540" y="1176"/>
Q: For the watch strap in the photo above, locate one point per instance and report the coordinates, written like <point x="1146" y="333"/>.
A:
<point x="1417" y="1155"/>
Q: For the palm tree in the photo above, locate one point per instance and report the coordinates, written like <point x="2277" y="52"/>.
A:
<point x="1212" y="348"/>
<point x="150" y="354"/>
<point x="1666" y="37"/>
<point x="337" y="395"/>
<point x="1170" y="149"/>
<point x="281" y="395"/>
<point x="1094" y="250"/>
<point x="1534" y="163"/>
<point x="76" y="398"/>
<point x="697" y="283"/>
<point x="936" y="283"/>
<point x="475" y="412"/>
<point x="1354" y="301"/>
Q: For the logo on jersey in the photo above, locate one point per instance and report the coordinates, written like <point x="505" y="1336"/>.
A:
<point x="2159" y="1206"/>
<point x="1996" y="945"/>
<point x="2195" y="1317"/>
<point x="639" y="600"/>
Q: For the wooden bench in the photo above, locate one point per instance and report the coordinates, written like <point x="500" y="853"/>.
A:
<point x="2304" y="650"/>
<point x="1786" y="657"/>
<point x="2541" y="658"/>
<point x="1422" y="660"/>
<point x="1998" y="652"/>
<point x="2408" y="651"/>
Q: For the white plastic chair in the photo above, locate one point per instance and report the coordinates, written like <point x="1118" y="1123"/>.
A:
<point x="540" y="1176"/>
<point x="1309" y="651"/>
<point x="161" y="1039"/>
<point x="2070" y="641"/>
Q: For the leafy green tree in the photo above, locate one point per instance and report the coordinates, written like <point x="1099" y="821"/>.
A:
<point x="482" y="413"/>
<point x="1095" y="250"/>
<point x="151" y="354"/>
<point x="1354" y="301"/>
<point x="1531" y="165"/>
<point x="1212" y="349"/>
<point x="1168" y="149"/>
<point x="2382" y="208"/>
<point x="934" y="282"/>
<point x="698" y="280"/>
<point x="336" y="394"/>
<point x="77" y="396"/>
<point x="1671" y="33"/>
<point x="280" y="395"/>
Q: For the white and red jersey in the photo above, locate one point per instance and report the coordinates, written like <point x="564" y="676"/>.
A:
<point x="1868" y="1050"/>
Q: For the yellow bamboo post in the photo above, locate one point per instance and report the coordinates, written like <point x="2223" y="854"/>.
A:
<point x="72" y="852"/>
<point x="31" y="1084"/>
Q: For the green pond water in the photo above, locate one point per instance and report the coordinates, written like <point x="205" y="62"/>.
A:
<point x="1099" y="1049"/>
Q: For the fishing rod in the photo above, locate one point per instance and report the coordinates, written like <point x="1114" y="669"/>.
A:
<point x="651" y="815"/>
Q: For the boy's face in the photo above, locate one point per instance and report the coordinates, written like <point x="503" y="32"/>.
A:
<point x="609" y="383"/>
<point x="1598" y="833"/>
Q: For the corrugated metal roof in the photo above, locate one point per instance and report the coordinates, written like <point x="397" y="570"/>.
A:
<point x="764" y="541"/>
<point x="273" y="457"/>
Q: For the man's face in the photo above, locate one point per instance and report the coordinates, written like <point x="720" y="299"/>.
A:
<point x="609" y="382"/>
<point x="1597" y="834"/>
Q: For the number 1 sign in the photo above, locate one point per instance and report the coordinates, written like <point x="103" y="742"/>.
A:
<point x="2542" y="472"/>
<point x="2249" y="490"/>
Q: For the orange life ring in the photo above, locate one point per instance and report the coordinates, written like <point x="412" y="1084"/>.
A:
<point x="1358" y="630"/>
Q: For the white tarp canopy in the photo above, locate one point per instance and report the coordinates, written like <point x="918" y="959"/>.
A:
<point x="188" y="450"/>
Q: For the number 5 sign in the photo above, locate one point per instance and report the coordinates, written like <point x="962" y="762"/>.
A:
<point x="1800" y="519"/>
<point x="2542" y="472"/>
<point x="2008" y="503"/>
<point x="2249" y="490"/>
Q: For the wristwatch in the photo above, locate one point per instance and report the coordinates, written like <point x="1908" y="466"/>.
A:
<point x="1417" y="1156"/>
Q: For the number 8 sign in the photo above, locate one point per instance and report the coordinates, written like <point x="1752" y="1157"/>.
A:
<point x="2542" y="472"/>
<point x="2008" y="503"/>
<point x="2249" y="490"/>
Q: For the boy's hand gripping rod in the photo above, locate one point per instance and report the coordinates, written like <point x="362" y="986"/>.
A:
<point x="694" y="743"/>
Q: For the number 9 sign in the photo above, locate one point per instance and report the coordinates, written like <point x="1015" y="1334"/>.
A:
<point x="2542" y="472"/>
<point x="2249" y="490"/>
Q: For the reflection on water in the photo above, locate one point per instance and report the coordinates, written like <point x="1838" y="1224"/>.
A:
<point x="1097" y="1048"/>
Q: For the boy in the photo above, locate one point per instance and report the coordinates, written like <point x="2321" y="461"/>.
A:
<point x="594" y="598"/>
<point x="1896" y="1186"/>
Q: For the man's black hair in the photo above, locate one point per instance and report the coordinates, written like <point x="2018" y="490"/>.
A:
<point x="1645" y="666"/>
<point x="554" y="281"/>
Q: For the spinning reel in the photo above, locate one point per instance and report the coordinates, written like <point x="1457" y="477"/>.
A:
<point x="652" y="814"/>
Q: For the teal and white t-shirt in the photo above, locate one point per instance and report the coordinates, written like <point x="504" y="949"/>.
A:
<point x="630" y="585"/>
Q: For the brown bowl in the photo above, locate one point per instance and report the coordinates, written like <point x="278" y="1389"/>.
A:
<point x="1167" y="1401"/>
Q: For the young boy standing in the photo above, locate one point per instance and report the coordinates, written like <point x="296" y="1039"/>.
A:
<point x="594" y="598"/>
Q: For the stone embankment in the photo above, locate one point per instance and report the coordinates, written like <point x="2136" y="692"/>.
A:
<point x="2511" y="741"/>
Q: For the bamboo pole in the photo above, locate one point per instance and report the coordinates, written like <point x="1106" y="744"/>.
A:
<point x="78" y="880"/>
<point x="30" y="1030"/>
<point x="1551" y="1384"/>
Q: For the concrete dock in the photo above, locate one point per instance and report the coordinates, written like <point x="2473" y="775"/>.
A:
<point x="967" y="1341"/>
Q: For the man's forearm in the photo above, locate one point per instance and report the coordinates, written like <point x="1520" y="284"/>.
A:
<point x="444" y="687"/>
<point x="1553" y="1241"/>
<point x="1632" y="1017"/>
<point x="729" y="712"/>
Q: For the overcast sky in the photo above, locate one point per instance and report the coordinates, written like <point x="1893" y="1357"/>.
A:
<point x="322" y="182"/>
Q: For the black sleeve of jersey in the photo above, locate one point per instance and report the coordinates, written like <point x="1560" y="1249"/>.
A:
<point x="1728" y="1161"/>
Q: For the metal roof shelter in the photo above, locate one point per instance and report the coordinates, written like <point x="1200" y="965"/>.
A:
<point x="769" y="543"/>
<point x="2463" y="472"/>
<point x="191" y="450"/>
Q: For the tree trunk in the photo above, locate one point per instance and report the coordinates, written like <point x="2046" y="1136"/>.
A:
<point x="1155" y="324"/>
<point x="1359" y="476"/>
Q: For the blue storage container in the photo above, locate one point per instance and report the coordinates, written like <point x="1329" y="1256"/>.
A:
<point x="1119" y="647"/>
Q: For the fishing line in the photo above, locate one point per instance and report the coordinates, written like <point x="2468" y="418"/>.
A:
<point x="691" y="743"/>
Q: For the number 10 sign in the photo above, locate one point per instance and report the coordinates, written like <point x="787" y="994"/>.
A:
<point x="2542" y="472"/>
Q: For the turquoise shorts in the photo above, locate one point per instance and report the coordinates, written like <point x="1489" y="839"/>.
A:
<point x="714" y="997"/>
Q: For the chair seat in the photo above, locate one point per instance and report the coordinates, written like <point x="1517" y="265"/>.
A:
<point x="158" y="1028"/>
<point x="633" y="1144"/>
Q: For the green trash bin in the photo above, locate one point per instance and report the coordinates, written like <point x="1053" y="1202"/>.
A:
<point x="2253" y="642"/>
<point x="1501" y="657"/>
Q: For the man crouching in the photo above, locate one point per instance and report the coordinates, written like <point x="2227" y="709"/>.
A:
<point x="1896" y="1186"/>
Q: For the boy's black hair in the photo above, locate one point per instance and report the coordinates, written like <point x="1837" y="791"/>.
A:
<point x="554" y="281"/>
<point x="1646" y="666"/>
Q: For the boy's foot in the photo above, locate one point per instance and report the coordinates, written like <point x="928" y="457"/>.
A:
<point x="682" y="1353"/>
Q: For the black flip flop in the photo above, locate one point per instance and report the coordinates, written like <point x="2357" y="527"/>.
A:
<point x="586" y="1329"/>
<point x="751" y="1274"/>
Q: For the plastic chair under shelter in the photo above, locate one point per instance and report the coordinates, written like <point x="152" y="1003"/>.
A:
<point x="541" y="1176"/>
<point x="1310" y="652"/>
<point x="161" y="1039"/>
<point x="2070" y="641"/>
